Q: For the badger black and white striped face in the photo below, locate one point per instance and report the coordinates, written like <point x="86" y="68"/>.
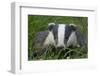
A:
<point x="64" y="35"/>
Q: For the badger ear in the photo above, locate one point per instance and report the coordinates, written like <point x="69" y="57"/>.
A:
<point x="50" y="26"/>
<point x="73" y="26"/>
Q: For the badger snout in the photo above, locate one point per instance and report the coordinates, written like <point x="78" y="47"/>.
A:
<point x="60" y="47"/>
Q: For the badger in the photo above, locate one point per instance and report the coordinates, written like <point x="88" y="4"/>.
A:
<point x="66" y="35"/>
<point x="61" y="36"/>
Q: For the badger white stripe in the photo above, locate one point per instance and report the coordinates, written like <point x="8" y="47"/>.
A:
<point x="61" y="35"/>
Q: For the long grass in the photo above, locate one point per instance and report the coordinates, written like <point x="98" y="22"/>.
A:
<point x="38" y="23"/>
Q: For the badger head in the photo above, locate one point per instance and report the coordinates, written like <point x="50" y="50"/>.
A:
<point x="64" y="35"/>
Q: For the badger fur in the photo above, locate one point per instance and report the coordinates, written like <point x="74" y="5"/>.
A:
<point x="61" y="36"/>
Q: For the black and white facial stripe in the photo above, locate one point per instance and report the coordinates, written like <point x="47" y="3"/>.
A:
<point x="64" y="35"/>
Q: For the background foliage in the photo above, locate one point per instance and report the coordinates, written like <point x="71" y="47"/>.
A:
<point x="38" y="23"/>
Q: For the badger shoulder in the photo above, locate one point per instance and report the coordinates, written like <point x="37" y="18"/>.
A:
<point x="40" y="37"/>
<point x="43" y="39"/>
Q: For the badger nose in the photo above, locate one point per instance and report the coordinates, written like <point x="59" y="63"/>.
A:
<point x="60" y="47"/>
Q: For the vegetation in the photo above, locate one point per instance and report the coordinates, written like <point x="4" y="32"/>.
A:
<point x="38" y="23"/>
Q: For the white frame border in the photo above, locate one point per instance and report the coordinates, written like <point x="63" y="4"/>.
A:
<point x="16" y="29"/>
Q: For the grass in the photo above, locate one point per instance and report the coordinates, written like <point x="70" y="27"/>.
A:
<point x="38" y="23"/>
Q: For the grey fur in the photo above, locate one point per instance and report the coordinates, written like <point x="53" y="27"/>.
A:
<point x="38" y="41"/>
<point x="41" y="36"/>
<point x="55" y="33"/>
<point x="82" y="39"/>
<point x="68" y="31"/>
